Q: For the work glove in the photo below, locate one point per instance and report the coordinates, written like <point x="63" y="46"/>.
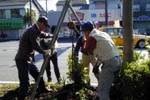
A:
<point x="47" y="52"/>
<point x="96" y="71"/>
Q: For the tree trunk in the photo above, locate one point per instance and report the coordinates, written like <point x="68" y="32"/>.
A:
<point x="127" y="31"/>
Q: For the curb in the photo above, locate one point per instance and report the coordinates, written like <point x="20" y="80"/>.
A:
<point x="17" y="82"/>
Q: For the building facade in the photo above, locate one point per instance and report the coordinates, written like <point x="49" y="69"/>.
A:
<point x="15" y="17"/>
<point x="106" y="12"/>
<point x="141" y="18"/>
<point x="94" y="11"/>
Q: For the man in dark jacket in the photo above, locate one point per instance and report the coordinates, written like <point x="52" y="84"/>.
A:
<point x="25" y="57"/>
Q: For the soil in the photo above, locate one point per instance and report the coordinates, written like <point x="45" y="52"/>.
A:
<point x="67" y="92"/>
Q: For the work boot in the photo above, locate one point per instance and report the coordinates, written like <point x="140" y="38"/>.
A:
<point x="59" y="81"/>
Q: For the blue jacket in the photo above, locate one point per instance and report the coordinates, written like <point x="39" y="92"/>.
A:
<point x="79" y="45"/>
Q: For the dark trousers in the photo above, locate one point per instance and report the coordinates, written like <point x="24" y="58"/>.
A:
<point x="24" y="69"/>
<point x="54" y="60"/>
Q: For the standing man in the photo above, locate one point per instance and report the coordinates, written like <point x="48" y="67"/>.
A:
<point x="25" y="57"/>
<point x="45" y="43"/>
<point x="102" y="46"/>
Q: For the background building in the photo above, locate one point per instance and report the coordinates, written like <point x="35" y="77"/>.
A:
<point x="15" y="17"/>
<point x="15" y="14"/>
<point x="141" y="12"/>
<point x="93" y="10"/>
<point x="105" y="12"/>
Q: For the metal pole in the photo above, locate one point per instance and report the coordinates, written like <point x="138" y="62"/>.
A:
<point x="75" y="14"/>
<point x="39" y="77"/>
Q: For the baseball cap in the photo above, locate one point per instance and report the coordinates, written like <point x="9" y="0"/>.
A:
<point x="87" y="26"/>
<point x="44" y="19"/>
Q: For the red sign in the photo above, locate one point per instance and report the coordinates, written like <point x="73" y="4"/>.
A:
<point x="79" y="14"/>
<point x="103" y="15"/>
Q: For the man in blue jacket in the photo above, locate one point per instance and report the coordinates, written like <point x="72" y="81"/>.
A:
<point x="25" y="57"/>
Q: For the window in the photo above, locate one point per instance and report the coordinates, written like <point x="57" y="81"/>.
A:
<point x="2" y="14"/>
<point x="147" y="7"/>
<point x="15" y="13"/>
<point x="113" y="31"/>
<point x="99" y="6"/>
<point x="136" y="8"/>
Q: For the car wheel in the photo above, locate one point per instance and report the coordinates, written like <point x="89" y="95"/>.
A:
<point x="141" y="44"/>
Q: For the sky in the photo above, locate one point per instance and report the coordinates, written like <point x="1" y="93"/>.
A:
<point x="51" y="4"/>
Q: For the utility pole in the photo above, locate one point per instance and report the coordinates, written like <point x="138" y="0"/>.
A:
<point x="106" y="13"/>
<point x="30" y="12"/>
<point x="46" y="8"/>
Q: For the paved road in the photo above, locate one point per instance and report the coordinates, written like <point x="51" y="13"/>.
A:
<point x="8" y="71"/>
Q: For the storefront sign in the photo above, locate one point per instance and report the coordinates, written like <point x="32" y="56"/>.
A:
<point x="142" y="18"/>
<point x="11" y="24"/>
<point x="79" y="14"/>
<point x="103" y="15"/>
<point x="93" y="15"/>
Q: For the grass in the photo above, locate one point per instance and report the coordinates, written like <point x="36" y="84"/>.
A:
<point x="4" y="88"/>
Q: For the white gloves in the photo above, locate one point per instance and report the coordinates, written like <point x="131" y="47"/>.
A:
<point x="47" y="40"/>
<point x="47" y="52"/>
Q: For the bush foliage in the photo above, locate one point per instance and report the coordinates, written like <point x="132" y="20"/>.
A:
<point x="133" y="81"/>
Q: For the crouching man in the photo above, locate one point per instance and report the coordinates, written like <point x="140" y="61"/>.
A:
<point x="102" y="46"/>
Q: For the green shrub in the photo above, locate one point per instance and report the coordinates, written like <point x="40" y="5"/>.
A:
<point x="133" y="81"/>
<point x="77" y="73"/>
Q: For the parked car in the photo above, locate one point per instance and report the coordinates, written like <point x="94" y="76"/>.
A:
<point x="116" y="34"/>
